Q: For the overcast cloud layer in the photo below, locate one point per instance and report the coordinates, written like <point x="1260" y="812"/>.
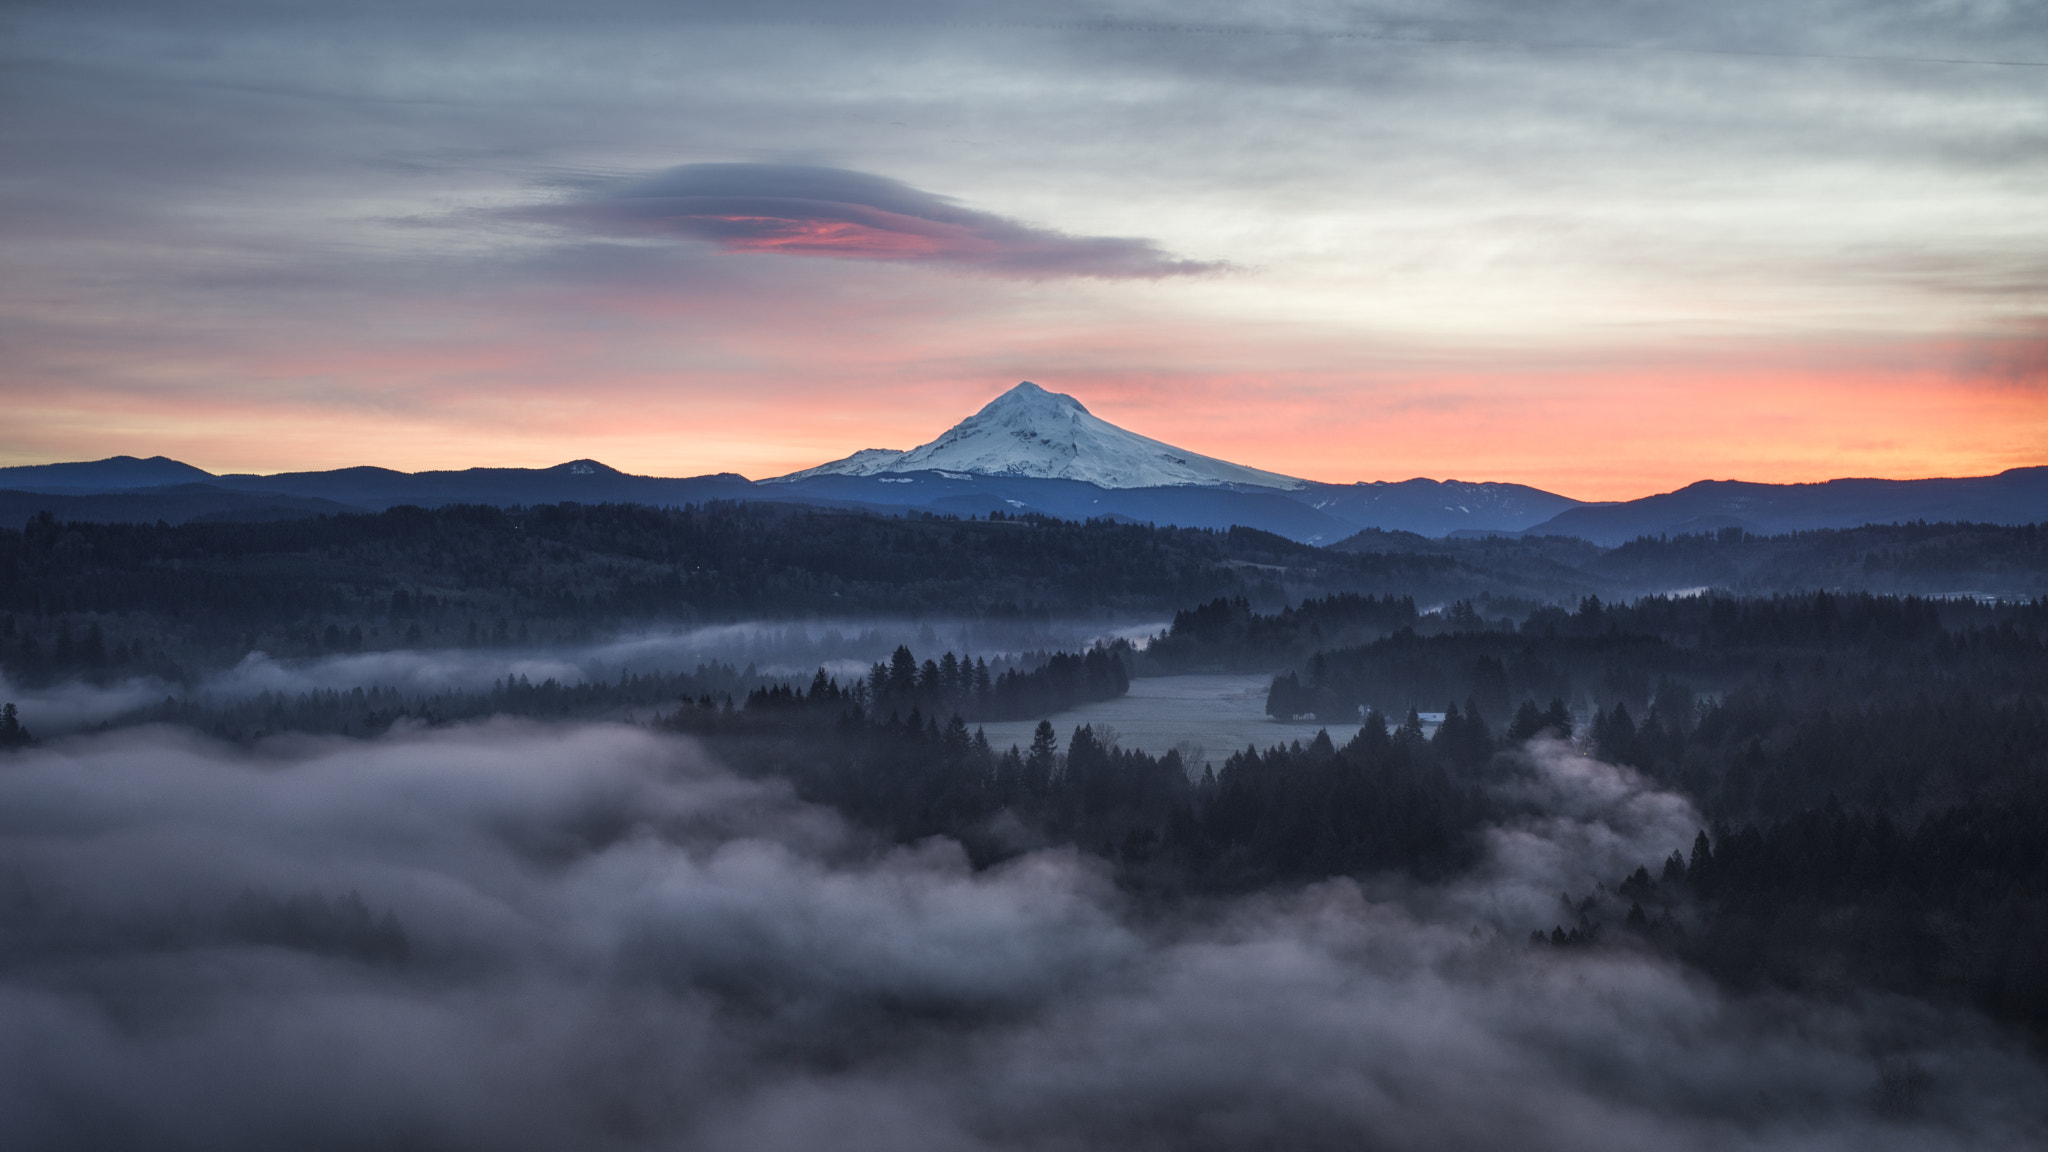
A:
<point x="1773" y="240"/>
<point x="591" y="937"/>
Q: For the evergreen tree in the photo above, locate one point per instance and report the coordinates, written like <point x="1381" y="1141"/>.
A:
<point x="1040" y="760"/>
<point x="1527" y="723"/>
<point x="902" y="671"/>
<point x="12" y="734"/>
<point x="1410" y="732"/>
<point x="1558" y="719"/>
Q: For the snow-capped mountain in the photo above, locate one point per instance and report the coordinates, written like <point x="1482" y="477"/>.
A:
<point x="1028" y="432"/>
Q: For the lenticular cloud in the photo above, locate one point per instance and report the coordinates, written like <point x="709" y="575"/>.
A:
<point x="798" y="210"/>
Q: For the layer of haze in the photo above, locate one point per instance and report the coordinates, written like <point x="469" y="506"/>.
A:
<point x="1766" y="240"/>
<point x="599" y="939"/>
<point x="760" y="651"/>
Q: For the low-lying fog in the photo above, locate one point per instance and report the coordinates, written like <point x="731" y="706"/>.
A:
<point x="844" y="648"/>
<point x="508" y="936"/>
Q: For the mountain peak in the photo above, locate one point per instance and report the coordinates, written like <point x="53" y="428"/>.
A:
<point x="1027" y="394"/>
<point x="1030" y="432"/>
<point x="115" y="473"/>
<point x="585" y="468"/>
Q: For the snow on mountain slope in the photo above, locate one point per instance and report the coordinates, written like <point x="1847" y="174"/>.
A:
<point x="1030" y="432"/>
<point x="865" y="462"/>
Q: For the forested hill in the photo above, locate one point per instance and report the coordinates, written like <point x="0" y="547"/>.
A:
<point x="1919" y="558"/>
<point x="93" y="598"/>
<point x="100" y="599"/>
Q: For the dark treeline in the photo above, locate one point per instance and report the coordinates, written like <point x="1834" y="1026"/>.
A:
<point x="1756" y="708"/>
<point x="1227" y="634"/>
<point x="1834" y="900"/>
<point x="1919" y="558"/>
<point x="98" y="601"/>
<point x="1781" y="743"/>
<point x="1938" y="559"/>
<point x="1047" y="682"/>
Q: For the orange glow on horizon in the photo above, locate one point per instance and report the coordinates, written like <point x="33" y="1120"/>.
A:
<point x="687" y="382"/>
<point x="1613" y="433"/>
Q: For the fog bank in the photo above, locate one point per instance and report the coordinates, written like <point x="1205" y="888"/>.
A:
<point x="591" y="936"/>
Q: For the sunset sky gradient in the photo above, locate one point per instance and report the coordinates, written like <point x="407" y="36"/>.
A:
<point x="1606" y="249"/>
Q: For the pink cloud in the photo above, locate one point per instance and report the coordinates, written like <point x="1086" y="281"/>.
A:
<point x="800" y="210"/>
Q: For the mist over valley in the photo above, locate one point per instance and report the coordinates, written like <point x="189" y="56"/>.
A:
<point x="744" y="826"/>
<point x="954" y="577"/>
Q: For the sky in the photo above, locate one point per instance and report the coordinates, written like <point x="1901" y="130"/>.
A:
<point x="1606" y="249"/>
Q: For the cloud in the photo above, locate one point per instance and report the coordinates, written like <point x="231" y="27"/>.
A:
<point x="614" y="943"/>
<point x="800" y="210"/>
<point x="201" y="232"/>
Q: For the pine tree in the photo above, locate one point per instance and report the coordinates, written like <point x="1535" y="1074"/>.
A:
<point x="902" y="671"/>
<point x="1558" y="719"/>
<point x="12" y="734"/>
<point x="1527" y="723"/>
<point x="1039" y="762"/>
<point x="1700" y="870"/>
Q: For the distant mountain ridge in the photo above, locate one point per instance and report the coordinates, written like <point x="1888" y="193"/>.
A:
<point x="115" y="473"/>
<point x="2015" y="496"/>
<point x="1035" y="451"/>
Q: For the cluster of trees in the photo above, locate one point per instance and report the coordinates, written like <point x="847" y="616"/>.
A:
<point x="1757" y="707"/>
<point x="951" y="685"/>
<point x="1604" y="654"/>
<point x="1833" y="898"/>
<point x="1385" y="801"/>
<point x="914" y="774"/>
<point x="1048" y="683"/>
<point x="1781" y="743"/>
<point x="1226" y="633"/>
<point x="1388" y="799"/>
